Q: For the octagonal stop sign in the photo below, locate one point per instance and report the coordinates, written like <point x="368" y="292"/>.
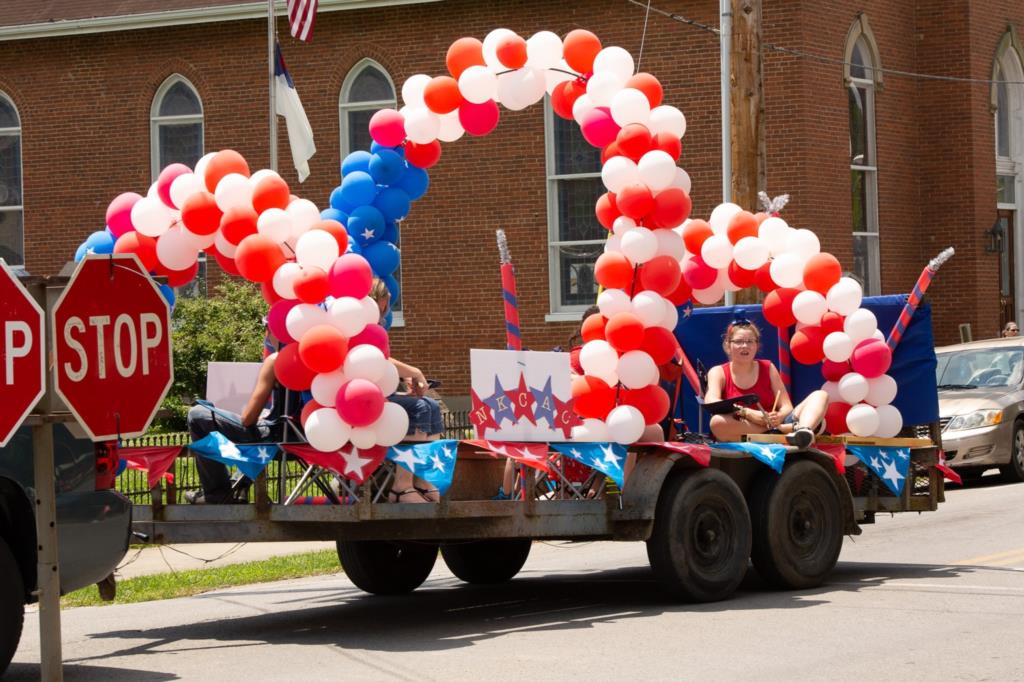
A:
<point x="22" y="356"/>
<point x="112" y="346"/>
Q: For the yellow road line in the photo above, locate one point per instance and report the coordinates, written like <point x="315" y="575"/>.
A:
<point x="996" y="559"/>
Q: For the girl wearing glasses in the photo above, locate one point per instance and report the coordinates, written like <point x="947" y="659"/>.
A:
<point x="744" y="374"/>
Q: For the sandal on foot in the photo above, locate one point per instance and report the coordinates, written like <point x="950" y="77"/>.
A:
<point x="428" y="492"/>
<point x="396" y="496"/>
<point x="802" y="438"/>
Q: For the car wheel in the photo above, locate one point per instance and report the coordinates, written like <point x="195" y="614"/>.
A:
<point x="12" y="606"/>
<point x="1013" y="471"/>
<point x="387" y="568"/>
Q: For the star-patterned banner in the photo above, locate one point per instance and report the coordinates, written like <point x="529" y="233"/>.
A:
<point x="432" y="461"/>
<point x="155" y="461"/>
<point x="349" y="462"/>
<point x="608" y="458"/>
<point x="533" y="455"/>
<point x="701" y="454"/>
<point x="251" y="460"/>
<point x="772" y="454"/>
<point x="837" y="451"/>
<point x="888" y="463"/>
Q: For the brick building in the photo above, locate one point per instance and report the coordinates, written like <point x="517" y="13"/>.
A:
<point x="887" y="168"/>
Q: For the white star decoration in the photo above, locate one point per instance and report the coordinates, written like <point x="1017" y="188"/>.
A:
<point x="407" y="457"/>
<point x="437" y="462"/>
<point x="229" y="450"/>
<point x="353" y="462"/>
<point x="767" y="453"/>
<point x="368" y="234"/>
<point x="610" y="458"/>
<point x="875" y="464"/>
<point x="903" y="453"/>
<point x="262" y="455"/>
<point x="892" y="474"/>
<point x="575" y="453"/>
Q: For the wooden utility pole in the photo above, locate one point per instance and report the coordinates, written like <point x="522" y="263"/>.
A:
<point x="747" y="108"/>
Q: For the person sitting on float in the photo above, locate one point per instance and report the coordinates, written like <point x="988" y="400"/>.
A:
<point x="745" y="374"/>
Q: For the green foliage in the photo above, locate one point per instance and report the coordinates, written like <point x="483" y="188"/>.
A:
<point x="224" y="328"/>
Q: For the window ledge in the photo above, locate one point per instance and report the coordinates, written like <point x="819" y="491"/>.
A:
<point x="574" y="316"/>
<point x="397" y="319"/>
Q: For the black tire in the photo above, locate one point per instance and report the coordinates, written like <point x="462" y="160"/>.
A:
<point x="487" y="562"/>
<point x="700" y="542"/>
<point x="12" y="606"/>
<point x="1013" y="471"/>
<point x="387" y="568"/>
<point x="972" y="475"/>
<point x="798" y="526"/>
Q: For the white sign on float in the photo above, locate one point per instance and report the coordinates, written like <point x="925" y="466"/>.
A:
<point x="521" y="396"/>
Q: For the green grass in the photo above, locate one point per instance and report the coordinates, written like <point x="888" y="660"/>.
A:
<point x="187" y="583"/>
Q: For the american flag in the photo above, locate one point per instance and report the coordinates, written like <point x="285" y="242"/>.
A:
<point x="301" y="17"/>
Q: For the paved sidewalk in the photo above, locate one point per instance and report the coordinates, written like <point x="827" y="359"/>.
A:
<point x="167" y="558"/>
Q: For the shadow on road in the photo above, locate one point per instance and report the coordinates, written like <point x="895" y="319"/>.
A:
<point x="22" y="672"/>
<point x="446" y="614"/>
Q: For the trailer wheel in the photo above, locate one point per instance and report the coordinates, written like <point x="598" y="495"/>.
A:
<point x="798" y="526"/>
<point x="384" y="568"/>
<point x="12" y="606"/>
<point x="701" y="538"/>
<point x="487" y="562"/>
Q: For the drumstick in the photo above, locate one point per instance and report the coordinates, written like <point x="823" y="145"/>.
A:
<point x="776" y="403"/>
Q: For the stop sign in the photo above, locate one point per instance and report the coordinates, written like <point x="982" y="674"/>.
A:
<point x="112" y="346"/>
<point x="22" y="362"/>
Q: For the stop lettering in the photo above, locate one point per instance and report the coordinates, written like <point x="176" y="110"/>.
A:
<point x="112" y="353"/>
<point x="22" y="368"/>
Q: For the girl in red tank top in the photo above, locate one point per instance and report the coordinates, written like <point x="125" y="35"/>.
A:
<point x="762" y="388"/>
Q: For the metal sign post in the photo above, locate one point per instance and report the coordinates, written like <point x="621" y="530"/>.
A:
<point x="48" y="570"/>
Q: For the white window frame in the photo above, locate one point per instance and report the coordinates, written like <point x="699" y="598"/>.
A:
<point x="20" y="208"/>
<point x="861" y="31"/>
<point x="1009" y="64"/>
<point x="156" y="120"/>
<point x="345" y="107"/>
<point x="559" y="312"/>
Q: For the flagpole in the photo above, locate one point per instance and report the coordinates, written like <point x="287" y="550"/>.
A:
<point x="271" y="60"/>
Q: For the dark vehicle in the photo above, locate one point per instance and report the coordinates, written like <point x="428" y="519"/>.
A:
<point x="93" y="523"/>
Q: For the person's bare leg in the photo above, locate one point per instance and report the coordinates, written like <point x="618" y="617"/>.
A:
<point x="508" y="479"/>
<point x="403" y="488"/>
<point x="729" y="430"/>
<point x="810" y="412"/>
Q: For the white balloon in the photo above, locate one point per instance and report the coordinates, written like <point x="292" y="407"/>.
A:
<point x="622" y="224"/>
<point x="670" y="243"/>
<point x="881" y="390"/>
<point x="200" y="169"/>
<point x="591" y="431"/>
<point x="275" y="224"/>
<point x="304" y="317"/>
<point x="722" y="280"/>
<point x="451" y="128"/>
<point x="151" y="217"/>
<point x="636" y="369"/>
<point x="490" y="48"/>
<point x="325" y="387"/>
<point x="832" y="389"/>
<point x="639" y="245"/>
<point x="392" y="425"/>
<point x="682" y="180"/>
<point x="629" y="105"/>
<point x="284" y="280"/>
<point x="612" y="301"/>
<point x="709" y="296"/>
<point x="803" y="242"/>
<point x="560" y="73"/>
<point x="388" y="383"/>
<point x="421" y="125"/>
<point x="853" y="387"/>
<point x="619" y="172"/>
<point x="657" y="169"/>
<point x="304" y="215"/>
<point x="616" y="61"/>
<point x="716" y="251"/>
<point x="787" y="270"/>
<point x="878" y="335"/>
<point x="326" y="431"/>
<point x="860" y="325"/>
<point x="890" y="421"/>
<point x="721" y="215"/>
<point x="261" y="175"/>
<point x="613" y="244"/>
<point x="625" y="424"/>
<point x="317" y="249"/>
<point x="543" y="50"/>
<point x="226" y="248"/>
<point x="649" y="306"/>
<point x="234" y="189"/>
<point x="862" y="420"/>
<point x="667" y="119"/>
<point x="750" y="253"/>
<point x="519" y="89"/>
<point x="175" y="251"/>
<point x="845" y="296"/>
<point x="599" y="359"/>
<point x="837" y="346"/>
<point x="412" y="90"/>
<point x="774" y="232"/>
<point x="671" y="318"/>
<point x="199" y="241"/>
<point x="601" y="88"/>
<point x="809" y="306"/>
<point x="363" y="437"/>
<point x="581" y="106"/>
<point x="365" y="361"/>
<point x="371" y="312"/>
<point x="347" y="316"/>
<point x="478" y="84"/>
<point x="184" y="186"/>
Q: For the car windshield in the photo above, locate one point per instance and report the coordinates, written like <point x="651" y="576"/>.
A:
<point x="980" y="367"/>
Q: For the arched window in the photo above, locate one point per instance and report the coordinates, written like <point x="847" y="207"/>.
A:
<point x="12" y="218"/>
<point x="1008" y="113"/>
<point x="862" y="80"/>
<point x="176" y="125"/>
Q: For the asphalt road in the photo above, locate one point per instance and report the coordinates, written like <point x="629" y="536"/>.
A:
<point x="931" y="596"/>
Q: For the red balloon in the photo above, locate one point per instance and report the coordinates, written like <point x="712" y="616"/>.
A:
<point x="511" y="51"/>
<point x="270" y="192"/>
<point x="258" y="258"/>
<point x="222" y="163"/>
<point x="291" y="371"/>
<point x="671" y="207"/>
<point x="360" y="402"/>
<point x="237" y="223"/>
<point x="226" y="264"/>
<point x="579" y="48"/>
<point x="607" y="209"/>
<point x="593" y="328"/>
<point x="821" y="272"/>
<point x="694" y="235"/>
<point x="778" y="307"/>
<point x="441" y="95"/>
<point x="834" y="371"/>
<point x="635" y="201"/>
<point x="565" y="95"/>
<point x="464" y="53"/>
<point x="351" y="275"/>
<point x="200" y="213"/>
<point x="661" y="274"/>
<point x="592" y="397"/>
<point x="423" y="155"/>
<point x="267" y="290"/>
<point x="308" y="409"/>
<point x="613" y="270"/>
<point x="669" y="143"/>
<point x="741" y="277"/>
<point x="375" y="335"/>
<point x="142" y="246"/>
<point x="624" y="332"/>
<point x="681" y="294"/>
<point x="652" y="401"/>
<point x="649" y="85"/>
<point x="743" y="224"/>
<point x="479" y="119"/>
<point x="323" y="348"/>
<point x="660" y="344"/>
<point x="698" y="274"/>
<point x="831" y="322"/>
<point x="871" y="357"/>
<point x="763" y="278"/>
<point x="177" y="278"/>
<point x="806" y="345"/>
<point x="336" y="229"/>
<point x="311" y="285"/>
<point x="835" y="417"/>
<point x="612" y="149"/>
<point x="634" y="141"/>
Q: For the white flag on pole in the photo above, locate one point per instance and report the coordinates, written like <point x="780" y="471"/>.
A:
<point x="287" y="104"/>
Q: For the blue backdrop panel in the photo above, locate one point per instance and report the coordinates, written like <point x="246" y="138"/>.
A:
<point x="700" y="332"/>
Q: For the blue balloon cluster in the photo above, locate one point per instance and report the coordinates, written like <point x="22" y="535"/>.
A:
<point x="376" y="192"/>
